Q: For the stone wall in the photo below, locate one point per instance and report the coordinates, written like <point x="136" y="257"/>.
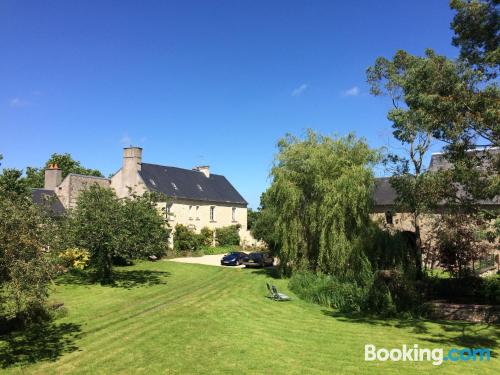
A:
<point x="465" y="312"/>
<point x="69" y="190"/>
<point x="124" y="184"/>
<point x="403" y="222"/>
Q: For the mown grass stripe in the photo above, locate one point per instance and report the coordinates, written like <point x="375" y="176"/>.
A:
<point x="214" y="320"/>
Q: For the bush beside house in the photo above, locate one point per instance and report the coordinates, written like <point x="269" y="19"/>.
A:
<point x="187" y="241"/>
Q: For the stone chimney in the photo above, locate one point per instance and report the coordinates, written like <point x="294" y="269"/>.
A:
<point x="205" y="169"/>
<point x="132" y="159"/>
<point x="53" y="177"/>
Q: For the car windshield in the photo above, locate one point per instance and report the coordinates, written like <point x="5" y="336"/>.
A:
<point x="255" y="255"/>
<point x="232" y="253"/>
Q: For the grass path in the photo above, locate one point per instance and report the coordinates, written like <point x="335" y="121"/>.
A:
<point x="168" y="317"/>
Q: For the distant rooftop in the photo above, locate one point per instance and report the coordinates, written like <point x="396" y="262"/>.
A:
<point x="48" y="199"/>
<point x="384" y="195"/>
<point x="439" y="161"/>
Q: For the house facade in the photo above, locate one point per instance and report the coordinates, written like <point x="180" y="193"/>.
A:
<point x="197" y="198"/>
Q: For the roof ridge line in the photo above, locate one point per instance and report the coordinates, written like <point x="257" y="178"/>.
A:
<point x="184" y="169"/>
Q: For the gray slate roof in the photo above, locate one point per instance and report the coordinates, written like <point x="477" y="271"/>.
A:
<point x="439" y="162"/>
<point x="188" y="184"/>
<point x="48" y="199"/>
<point x="385" y="195"/>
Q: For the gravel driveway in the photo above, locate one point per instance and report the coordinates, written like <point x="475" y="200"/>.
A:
<point x="209" y="260"/>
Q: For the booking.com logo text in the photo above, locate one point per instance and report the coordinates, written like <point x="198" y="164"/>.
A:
<point x="412" y="353"/>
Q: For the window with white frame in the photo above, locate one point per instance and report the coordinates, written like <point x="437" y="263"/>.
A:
<point x="212" y="213"/>
<point x="233" y="214"/>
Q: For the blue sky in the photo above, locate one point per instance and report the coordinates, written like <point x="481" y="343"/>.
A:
<point x="198" y="82"/>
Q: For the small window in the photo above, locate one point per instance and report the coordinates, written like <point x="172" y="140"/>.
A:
<point x="190" y="212"/>
<point x="212" y="213"/>
<point x="174" y="186"/>
<point x="152" y="182"/>
<point x="388" y="217"/>
<point x="197" y="212"/>
<point x="168" y="211"/>
<point x="199" y="187"/>
<point x="233" y="214"/>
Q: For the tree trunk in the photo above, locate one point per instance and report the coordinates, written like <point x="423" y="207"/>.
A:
<point x="105" y="266"/>
<point x="418" y="251"/>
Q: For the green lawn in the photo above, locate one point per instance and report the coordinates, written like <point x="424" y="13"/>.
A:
<point x="168" y="317"/>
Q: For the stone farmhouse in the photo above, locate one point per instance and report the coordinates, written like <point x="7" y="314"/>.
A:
<point x="385" y="196"/>
<point x="386" y="212"/>
<point x="196" y="197"/>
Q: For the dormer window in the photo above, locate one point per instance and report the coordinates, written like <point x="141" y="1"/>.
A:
<point x="199" y="187"/>
<point x="152" y="182"/>
<point x="174" y="186"/>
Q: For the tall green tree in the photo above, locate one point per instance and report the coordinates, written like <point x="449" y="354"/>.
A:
<point x="321" y="196"/>
<point x="453" y="101"/>
<point x="26" y="264"/>
<point x="252" y="216"/>
<point x="12" y="181"/>
<point x="418" y="193"/>
<point x="96" y="225"/>
<point x="263" y="228"/>
<point x="146" y="231"/>
<point x="35" y="176"/>
<point x="109" y="227"/>
<point x="477" y="33"/>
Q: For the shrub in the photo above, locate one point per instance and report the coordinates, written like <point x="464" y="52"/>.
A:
<point x="391" y="292"/>
<point x="459" y="243"/>
<point x="75" y="258"/>
<point x="213" y="250"/>
<point x="207" y="236"/>
<point x="387" y="250"/>
<point x="491" y="290"/>
<point x="327" y="291"/>
<point x="388" y="293"/>
<point x="472" y="289"/>
<point x="379" y="299"/>
<point x="185" y="239"/>
<point x="227" y="236"/>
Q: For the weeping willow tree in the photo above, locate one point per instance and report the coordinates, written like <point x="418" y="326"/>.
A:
<point x="321" y="199"/>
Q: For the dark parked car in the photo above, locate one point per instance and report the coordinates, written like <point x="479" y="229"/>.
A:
<point x="258" y="260"/>
<point x="234" y="258"/>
